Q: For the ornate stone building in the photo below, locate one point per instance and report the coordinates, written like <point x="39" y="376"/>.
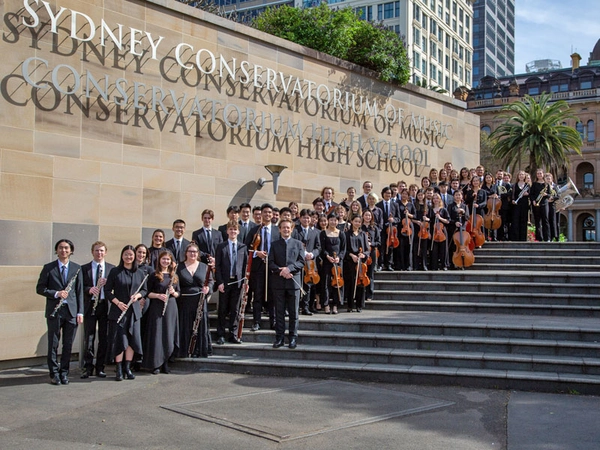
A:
<point x="580" y="87"/>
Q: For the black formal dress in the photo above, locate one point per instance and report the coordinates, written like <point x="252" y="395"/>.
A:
<point x="354" y="243"/>
<point x="402" y="254"/>
<point x="187" y="305"/>
<point x="153" y="253"/>
<point x="231" y="275"/>
<point x="95" y="318"/>
<point x="52" y="280"/>
<point x="162" y="333"/>
<point x="520" y="213"/>
<point x="122" y="284"/>
<point x="375" y="239"/>
<point x="286" y="292"/>
<point x="330" y="245"/>
<point x="540" y="210"/>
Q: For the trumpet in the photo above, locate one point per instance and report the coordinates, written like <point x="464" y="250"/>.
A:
<point x="542" y="194"/>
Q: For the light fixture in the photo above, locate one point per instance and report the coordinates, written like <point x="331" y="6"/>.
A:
<point x="275" y="170"/>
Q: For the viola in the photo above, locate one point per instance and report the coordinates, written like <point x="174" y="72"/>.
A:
<point x="438" y="231"/>
<point x="337" y="280"/>
<point x="492" y="220"/>
<point x="463" y="256"/>
<point x="362" y="279"/>
<point x="311" y="275"/>
<point x="424" y="231"/>
<point x="392" y="237"/>
<point x="406" y="225"/>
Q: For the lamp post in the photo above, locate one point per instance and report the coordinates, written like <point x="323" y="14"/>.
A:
<point x="275" y="170"/>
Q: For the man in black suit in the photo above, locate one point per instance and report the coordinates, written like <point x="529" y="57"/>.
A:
<point x="247" y="225"/>
<point x="391" y="215"/>
<point x="95" y="309"/>
<point x="231" y="259"/>
<point x="258" y="273"/>
<point x="178" y="244"/>
<point x="61" y="282"/>
<point x="286" y="261"/>
<point x="207" y="238"/>
<point x="367" y="188"/>
<point x="233" y="213"/>
<point x="312" y="247"/>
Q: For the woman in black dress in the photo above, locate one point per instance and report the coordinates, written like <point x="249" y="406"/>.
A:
<point x="540" y="192"/>
<point x="192" y="276"/>
<point x="374" y="238"/>
<point x="157" y="247"/>
<point x="357" y="251"/>
<point x="162" y="335"/>
<point x="125" y="285"/>
<point x="333" y="250"/>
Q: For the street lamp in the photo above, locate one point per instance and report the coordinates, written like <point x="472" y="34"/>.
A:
<point x="275" y="170"/>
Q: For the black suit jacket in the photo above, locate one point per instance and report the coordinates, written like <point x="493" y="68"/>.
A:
<point x="244" y="232"/>
<point x="207" y="248"/>
<point x="290" y="255"/>
<point x="223" y="263"/>
<point x="50" y="282"/>
<point x="250" y="236"/>
<point x="394" y="212"/>
<point x="363" y="201"/>
<point x="170" y="245"/>
<point x="312" y="243"/>
<point x="88" y="283"/>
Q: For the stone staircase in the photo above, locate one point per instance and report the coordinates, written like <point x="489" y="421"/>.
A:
<point x="524" y="317"/>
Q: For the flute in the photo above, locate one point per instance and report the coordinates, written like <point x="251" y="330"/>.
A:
<point x="167" y="300"/>
<point x="131" y="298"/>
<point x="67" y="290"/>
<point x="96" y="296"/>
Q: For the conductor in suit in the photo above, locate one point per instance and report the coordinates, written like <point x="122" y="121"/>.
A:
<point x="286" y="261"/>
<point x="61" y="282"/>
<point x="95" y="309"/>
<point x="231" y="259"/>
<point x="178" y="244"/>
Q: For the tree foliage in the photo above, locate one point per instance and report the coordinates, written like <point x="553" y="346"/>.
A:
<point x="340" y="33"/>
<point x="534" y="130"/>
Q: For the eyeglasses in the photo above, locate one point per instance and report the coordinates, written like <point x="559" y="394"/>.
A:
<point x="192" y="251"/>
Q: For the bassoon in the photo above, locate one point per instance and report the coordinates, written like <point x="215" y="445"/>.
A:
<point x="253" y="247"/>
<point x="199" y="314"/>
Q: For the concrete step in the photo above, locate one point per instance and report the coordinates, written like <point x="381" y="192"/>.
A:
<point x="471" y="294"/>
<point x="482" y="307"/>
<point x="536" y="252"/>
<point x="488" y="286"/>
<point x="522" y="246"/>
<point x="409" y="373"/>
<point x="538" y="266"/>
<point x="555" y="259"/>
<point x="364" y="343"/>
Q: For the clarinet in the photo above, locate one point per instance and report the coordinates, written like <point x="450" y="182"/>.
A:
<point x="96" y="296"/>
<point x="167" y="294"/>
<point x="67" y="289"/>
<point x="129" y="303"/>
<point x="199" y="314"/>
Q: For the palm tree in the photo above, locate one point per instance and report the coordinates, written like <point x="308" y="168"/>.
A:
<point x="535" y="130"/>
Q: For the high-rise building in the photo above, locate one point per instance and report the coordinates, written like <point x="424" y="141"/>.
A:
<point x="493" y="39"/>
<point x="438" y="33"/>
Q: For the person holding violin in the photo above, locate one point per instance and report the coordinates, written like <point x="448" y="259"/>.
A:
<point x="333" y="248"/>
<point x="406" y="212"/>
<point x="374" y="239"/>
<point x="491" y="219"/>
<point x="327" y="193"/>
<point x="312" y="247"/>
<point x="390" y="218"/>
<point x="355" y="265"/>
<point x="420" y="251"/>
<point x="439" y="219"/>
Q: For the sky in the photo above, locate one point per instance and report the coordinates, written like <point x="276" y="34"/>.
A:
<point x="553" y="29"/>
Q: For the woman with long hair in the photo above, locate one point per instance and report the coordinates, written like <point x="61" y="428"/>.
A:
<point x="162" y="337"/>
<point x="157" y="247"/>
<point x="520" y="210"/>
<point x="439" y="218"/>
<point x="374" y="238"/>
<point x="433" y="177"/>
<point x="464" y="177"/>
<point x="192" y="275"/>
<point x="421" y="246"/>
<point x="357" y="252"/>
<point x="333" y="251"/>
<point x="354" y="211"/>
<point x="540" y="192"/>
<point x="124" y="287"/>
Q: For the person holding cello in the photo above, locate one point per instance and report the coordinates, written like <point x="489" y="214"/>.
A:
<point x="312" y="247"/>
<point x="406" y="212"/>
<point x="355" y="265"/>
<point x="389" y="228"/>
<point x="459" y="215"/>
<point x="476" y="199"/>
<point x="491" y="220"/>
<point x="439" y="218"/>
<point x="333" y="247"/>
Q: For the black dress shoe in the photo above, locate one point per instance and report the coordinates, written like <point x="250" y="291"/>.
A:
<point x="306" y="312"/>
<point x="221" y="340"/>
<point x="55" y="380"/>
<point x="156" y="371"/>
<point x="64" y="379"/>
<point x="234" y="340"/>
<point x="273" y="325"/>
<point x="278" y="343"/>
<point x="293" y="343"/>
<point x="86" y="374"/>
<point x="255" y="327"/>
<point x="100" y="373"/>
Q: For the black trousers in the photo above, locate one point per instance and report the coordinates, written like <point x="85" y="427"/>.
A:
<point x="67" y="324"/>
<point x="100" y="319"/>
<point x="262" y="295"/>
<point x="286" y="299"/>
<point x="229" y="304"/>
<point x="542" y="224"/>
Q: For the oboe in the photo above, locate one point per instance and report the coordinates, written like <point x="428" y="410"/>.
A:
<point x="96" y="296"/>
<point x="67" y="290"/>
<point x="131" y="299"/>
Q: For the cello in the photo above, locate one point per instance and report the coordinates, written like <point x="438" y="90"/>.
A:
<point x="492" y="220"/>
<point x="473" y="227"/>
<point x="463" y="256"/>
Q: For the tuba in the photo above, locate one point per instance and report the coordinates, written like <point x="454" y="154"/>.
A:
<point x="565" y="199"/>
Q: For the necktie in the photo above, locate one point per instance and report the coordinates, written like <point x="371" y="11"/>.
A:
<point x="265" y="240"/>
<point x="63" y="274"/>
<point x="233" y="260"/>
<point x="387" y="210"/>
<point x="177" y="250"/>
<point x="305" y="234"/>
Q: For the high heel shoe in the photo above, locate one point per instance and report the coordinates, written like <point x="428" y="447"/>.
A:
<point x="334" y="311"/>
<point x="327" y="310"/>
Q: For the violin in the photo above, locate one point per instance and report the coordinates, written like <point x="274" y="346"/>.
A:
<point x="362" y="279"/>
<point x="337" y="281"/>
<point x="438" y="231"/>
<point x="492" y="220"/>
<point x="463" y="256"/>
<point x="424" y="228"/>
<point x="392" y="237"/>
<point x="311" y="275"/>
<point x="406" y="225"/>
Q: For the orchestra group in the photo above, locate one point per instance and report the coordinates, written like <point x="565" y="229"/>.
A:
<point x="152" y="306"/>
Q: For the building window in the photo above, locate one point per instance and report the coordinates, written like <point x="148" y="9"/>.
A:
<point x="486" y="129"/>
<point x="533" y="90"/>
<point x="579" y="128"/>
<point x="591" y="137"/>
<point x="589" y="229"/>
<point x="585" y="84"/>
<point x="417" y="13"/>
<point x="588" y="180"/>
